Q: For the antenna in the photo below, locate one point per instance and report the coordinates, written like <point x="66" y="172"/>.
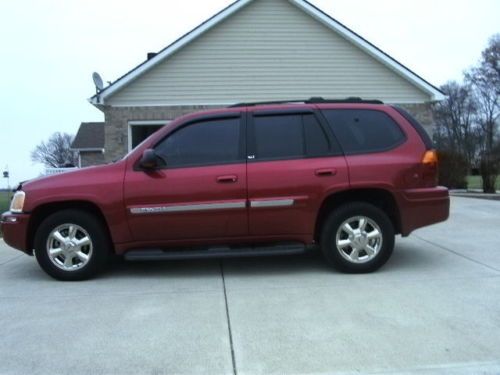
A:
<point x="99" y="85"/>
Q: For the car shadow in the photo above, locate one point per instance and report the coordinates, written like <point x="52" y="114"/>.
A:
<point x="405" y="257"/>
<point x="206" y="267"/>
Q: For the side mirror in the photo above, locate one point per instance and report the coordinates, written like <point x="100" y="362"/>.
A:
<point x="149" y="159"/>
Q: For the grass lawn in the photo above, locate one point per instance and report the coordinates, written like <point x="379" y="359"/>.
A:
<point x="476" y="182"/>
<point x="4" y="203"/>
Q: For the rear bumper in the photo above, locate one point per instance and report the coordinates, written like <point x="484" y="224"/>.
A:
<point x="422" y="207"/>
<point x="15" y="230"/>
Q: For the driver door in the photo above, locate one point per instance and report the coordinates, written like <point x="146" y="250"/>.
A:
<point x="200" y="192"/>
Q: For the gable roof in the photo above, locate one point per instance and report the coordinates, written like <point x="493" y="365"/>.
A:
<point x="90" y="137"/>
<point x="304" y="5"/>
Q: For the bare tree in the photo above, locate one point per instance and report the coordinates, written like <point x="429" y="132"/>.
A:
<point x="56" y="152"/>
<point x="485" y="82"/>
<point x="455" y="128"/>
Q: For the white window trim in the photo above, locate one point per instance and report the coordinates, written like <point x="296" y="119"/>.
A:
<point x="90" y="149"/>
<point x="141" y="123"/>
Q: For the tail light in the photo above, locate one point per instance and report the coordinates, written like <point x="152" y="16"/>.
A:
<point x="430" y="168"/>
<point x="430" y="158"/>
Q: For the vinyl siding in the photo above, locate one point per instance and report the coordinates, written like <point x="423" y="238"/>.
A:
<point x="269" y="50"/>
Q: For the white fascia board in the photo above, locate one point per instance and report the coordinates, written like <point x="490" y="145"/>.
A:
<point x="148" y="122"/>
<point x="370" y="49"/>
<point x="100" y="98"/>
<point x="222" y="105"/>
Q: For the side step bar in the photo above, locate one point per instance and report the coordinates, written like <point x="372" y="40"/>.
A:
<point x="216" y="252"/>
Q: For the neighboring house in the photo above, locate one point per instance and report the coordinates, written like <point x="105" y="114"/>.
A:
<point x="254" y="50"/>
<point x="89" y="143"/>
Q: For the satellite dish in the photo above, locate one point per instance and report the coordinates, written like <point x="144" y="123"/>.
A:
<point x="99" y="85"/>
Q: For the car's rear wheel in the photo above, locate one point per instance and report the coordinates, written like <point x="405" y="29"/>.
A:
<point x="357" y="238"/>
<point x="71" y="245"/>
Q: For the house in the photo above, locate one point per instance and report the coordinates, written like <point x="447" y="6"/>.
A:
<point x="254" y="50"/>
<point x="89" y="143"/>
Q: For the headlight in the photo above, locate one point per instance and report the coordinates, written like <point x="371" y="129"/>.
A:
<point x="17" y="204"/>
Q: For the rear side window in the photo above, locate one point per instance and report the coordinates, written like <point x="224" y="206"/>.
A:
<point x="203" y="143"/>
<point x="363" y="130"/>
<point x="289" y="136"/>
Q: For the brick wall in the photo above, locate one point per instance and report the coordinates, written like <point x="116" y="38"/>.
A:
<point x="423" y="113"/>
<point x="88" y="158"/>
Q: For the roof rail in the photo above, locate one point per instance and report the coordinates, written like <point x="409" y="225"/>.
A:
<point x="313" y="100"/>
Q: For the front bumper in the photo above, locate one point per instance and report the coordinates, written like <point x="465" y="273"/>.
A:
<point x="15" y="230"/>
<point x="422" y="207"/>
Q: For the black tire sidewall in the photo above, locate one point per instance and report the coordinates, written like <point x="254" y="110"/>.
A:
<point x="99" y="237"/>
<point x="333" y="222"/>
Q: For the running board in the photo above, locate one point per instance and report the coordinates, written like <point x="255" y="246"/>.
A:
<point x="216" y="252"/>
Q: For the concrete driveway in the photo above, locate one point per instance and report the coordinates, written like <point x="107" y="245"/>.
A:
<point x="434" y="308"/>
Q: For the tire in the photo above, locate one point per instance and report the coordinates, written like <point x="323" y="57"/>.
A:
<point x="64" y="234"/>
<point x="357" y="248"/>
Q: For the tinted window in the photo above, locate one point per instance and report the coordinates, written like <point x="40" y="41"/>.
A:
<point x="289" y="136"/>
<point x="278" y="137"/>
<point x="203" y="143"/>
<point x="316" y="140"/>
<point x="364" y="130"/>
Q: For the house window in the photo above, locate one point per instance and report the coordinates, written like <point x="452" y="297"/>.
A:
<point x="138" y="131"/>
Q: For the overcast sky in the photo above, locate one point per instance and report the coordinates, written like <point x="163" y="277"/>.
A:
<point x="49" y="49"/>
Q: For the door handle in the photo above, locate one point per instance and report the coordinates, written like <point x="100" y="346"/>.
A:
<point x="325" y="172"/>
<point x="229" y="179"/>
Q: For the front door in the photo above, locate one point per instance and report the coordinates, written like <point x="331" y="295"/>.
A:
<point x="294" y="163"/>
<point x="200" y="192"/>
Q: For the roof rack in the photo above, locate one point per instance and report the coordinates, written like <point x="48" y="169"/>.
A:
<point x="313" y="100"/>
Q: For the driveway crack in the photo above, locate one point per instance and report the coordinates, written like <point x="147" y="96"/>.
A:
<point x="12" y="259"/>
<point x="457" y="253"/>
<point x="233" y="358"/>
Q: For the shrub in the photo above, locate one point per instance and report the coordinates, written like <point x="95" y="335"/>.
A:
<point x="453" y="169"/>
<point x="489" y="171"/>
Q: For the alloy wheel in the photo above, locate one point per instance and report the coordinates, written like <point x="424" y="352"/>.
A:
<point x="69" y="247"/>
<point x="359" y="239"/>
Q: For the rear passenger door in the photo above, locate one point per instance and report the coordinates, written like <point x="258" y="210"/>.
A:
<point x="293" y="162"/>
<point x="375" y="147"/>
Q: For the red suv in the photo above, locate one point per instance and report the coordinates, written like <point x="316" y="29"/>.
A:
<point x="253" y="179"/>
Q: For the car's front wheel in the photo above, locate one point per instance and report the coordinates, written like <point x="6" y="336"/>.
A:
<point x="71" y="245"/>
<point x="357" y="237"/>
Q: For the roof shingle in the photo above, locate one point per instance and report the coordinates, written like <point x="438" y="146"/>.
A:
<point x="90" y="136"/>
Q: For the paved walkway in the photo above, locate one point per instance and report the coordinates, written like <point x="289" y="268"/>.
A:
<point x="433" y="309"/>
